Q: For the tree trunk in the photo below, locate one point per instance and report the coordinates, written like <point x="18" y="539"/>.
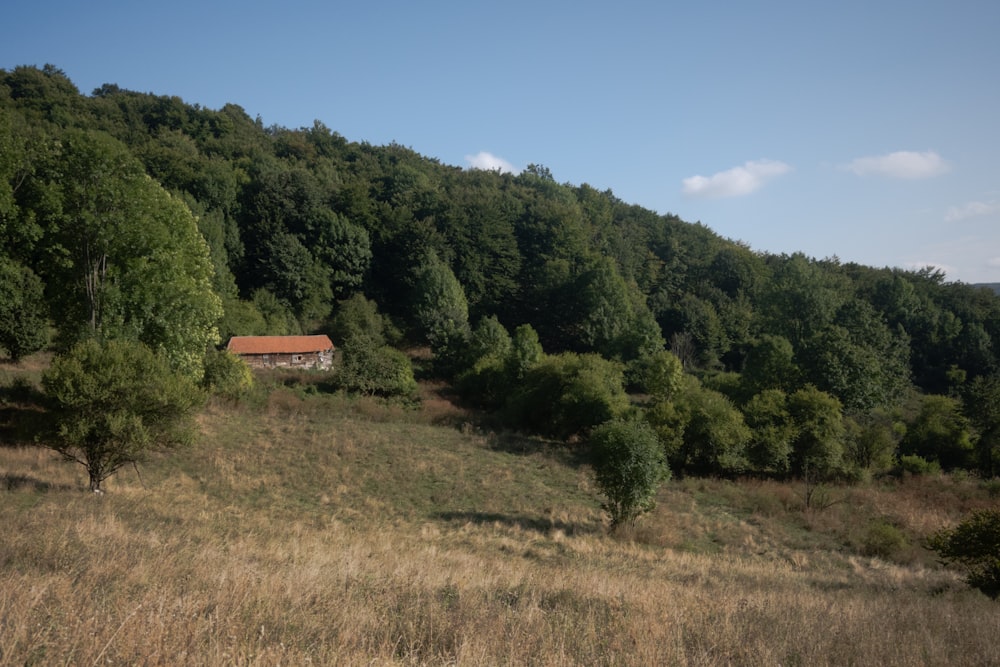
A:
<point x="97" y="269"/>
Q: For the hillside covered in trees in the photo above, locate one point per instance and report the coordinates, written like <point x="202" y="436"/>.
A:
<point x="554" y="306"/>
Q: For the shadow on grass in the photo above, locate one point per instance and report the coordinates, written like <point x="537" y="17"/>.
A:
<point x="570" y="454"/>
<point x="449" y="410"/>
<point x="22" y="417"/>
<point x="16" y="482"/>
<point x="532" y="523"/>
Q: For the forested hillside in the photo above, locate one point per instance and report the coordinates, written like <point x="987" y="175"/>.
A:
<point x="554" y="306"/>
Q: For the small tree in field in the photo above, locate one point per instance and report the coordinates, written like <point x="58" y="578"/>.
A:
<point x="975" y="544"/>
<point x="629" y="465"/>
<point x="114" y="402"/>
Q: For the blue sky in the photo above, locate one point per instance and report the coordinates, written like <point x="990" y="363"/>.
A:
<point x="866" y="130"/>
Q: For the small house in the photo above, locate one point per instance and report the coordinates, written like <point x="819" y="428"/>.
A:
<point x="283" y="351"/>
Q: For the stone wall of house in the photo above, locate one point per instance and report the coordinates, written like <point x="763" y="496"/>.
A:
<point x="308" y="360"/>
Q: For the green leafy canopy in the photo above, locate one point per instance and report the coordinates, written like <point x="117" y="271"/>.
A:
<point x="114" y="402"/>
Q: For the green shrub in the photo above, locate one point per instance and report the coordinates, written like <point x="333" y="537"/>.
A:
<point x="486" y="384"/>
<point x="658" y="374"/>
<point x="375" y="370"/>
<point x="917" y="465"/>
<point x="939" y="432"/>
<point x="974" y="544"/>
<point x="992" y="487"/>
<point x="872" y="441"/>
<point x="568" y="394"/>
<point x="227" y="375"/>
<point x="882" y="539"/>
<point x="668" y="422"/>
<point x="715" y="436"/>
<point x="628" y="467"/>
<point x="496" y="363"/>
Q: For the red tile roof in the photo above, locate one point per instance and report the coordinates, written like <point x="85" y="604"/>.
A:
<point x="279" y="344"/>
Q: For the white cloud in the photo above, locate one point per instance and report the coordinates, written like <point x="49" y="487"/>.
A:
<point x="993" y="262"/>
<point x="901" y="164"/>
<point x="735" y="182"/>
<point x="973" y="209"/>
<point x="489" y="162"/>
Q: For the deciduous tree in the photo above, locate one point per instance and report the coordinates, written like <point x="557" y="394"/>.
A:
<point x="114" y="402"/>
<point x="441" y="311"/>
<point x="981" y="401"/>
<point x="629" y="466"/>
<point x="769" y="364"/>
<point x="818" y="448"/>
<point x="772" y="432"/>
<point x="939" y="432"/>
<point x="123" y="258"/>
<point x="715" y="434"/>
<point x="23" y="317"/>
<point x="568" y="394"/>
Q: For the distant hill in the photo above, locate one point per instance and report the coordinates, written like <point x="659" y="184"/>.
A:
<point x="993" y="286"/>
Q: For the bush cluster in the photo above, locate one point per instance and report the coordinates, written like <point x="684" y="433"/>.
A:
<point x="974" y="545"/>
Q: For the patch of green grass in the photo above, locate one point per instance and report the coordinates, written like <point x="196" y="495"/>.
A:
<point x="310" y="455"/>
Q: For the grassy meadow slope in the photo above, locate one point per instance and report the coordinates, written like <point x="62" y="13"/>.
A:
<point x="306" y="528"/>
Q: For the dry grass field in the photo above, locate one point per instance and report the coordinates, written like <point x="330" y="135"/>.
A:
<point x="306" y="528"/>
